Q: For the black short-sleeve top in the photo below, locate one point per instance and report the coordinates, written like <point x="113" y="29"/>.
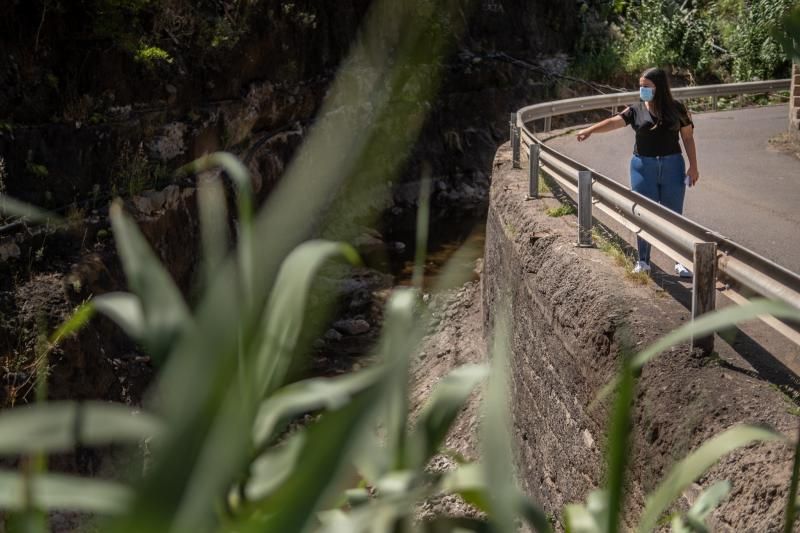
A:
<point x="654" y="138"/>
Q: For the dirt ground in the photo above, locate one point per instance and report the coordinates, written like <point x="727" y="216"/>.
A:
<point x="456" y="339"/>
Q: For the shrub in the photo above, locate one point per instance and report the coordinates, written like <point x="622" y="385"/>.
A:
<point x="667" y="33"/>
<point x="754" y="48"/>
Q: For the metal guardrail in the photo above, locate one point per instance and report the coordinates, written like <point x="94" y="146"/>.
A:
<point x="678" y="237"/>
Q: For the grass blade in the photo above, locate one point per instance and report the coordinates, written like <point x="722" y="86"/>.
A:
<point x="76" y="321"/>
<point x="60" y="426"/>
<point x="791" y="497"/>
<point x="62" y="492"/>
<point x="619" y="446"/>
<point x="423" y="221"/>
<point x="695" y="465"/>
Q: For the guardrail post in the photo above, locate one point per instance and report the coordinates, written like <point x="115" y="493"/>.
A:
<point x="547" y="124"/>
<point x="533" y="179"/>
<point x="514" y="141"/>
<point x="584" y="209"/>
<point x="704" y="289"/>
<point x="714" y="102"/>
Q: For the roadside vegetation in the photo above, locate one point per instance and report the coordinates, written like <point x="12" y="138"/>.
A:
<point x="700" y="40"/>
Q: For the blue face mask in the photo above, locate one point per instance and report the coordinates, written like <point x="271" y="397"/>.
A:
<point x="646" y="94"/>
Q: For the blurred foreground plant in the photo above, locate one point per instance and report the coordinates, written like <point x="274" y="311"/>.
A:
<point x="217" y="422"/>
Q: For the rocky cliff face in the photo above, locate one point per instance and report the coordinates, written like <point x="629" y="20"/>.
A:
<point x="108" y="97"/>
<point x="84" y="111"/>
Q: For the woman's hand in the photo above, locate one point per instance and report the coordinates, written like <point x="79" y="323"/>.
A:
<point x="693" y="174"/>
<point x="583" y="135"/>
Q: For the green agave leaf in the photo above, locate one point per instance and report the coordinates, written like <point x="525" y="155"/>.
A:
<point x="423" y="219"/>
<point x="709" y="500"/>
<point x="469" y="482"/>
<point x="235" y="170"/>
<point x="27" y="521"/>
<point x="445" y="524"/>
<point x="694" y="521"/>
<point x="441" y="410"/>
<point x="325" y="453"/>
<point x="244" y="199"/>
<point x="532" y="514"/>
<point x="213" y="216"/>
<point x="357" y="496"/>
<point x="125" y="309"/>
<point x="60" y="426"/>
<point x="398" y="342"/>
<point x="286" y="308"/>
<point x="379" y="516"/>
<point x="791" y="497"/>
<point x="695" y="465"/>
<point x="14" y="208"/>
<point x="706" y="324"/>
<point x="309" y="395"/>
<point x="62" y="492"/>
<point x="579" y="520"/>
<point x="618" y="452"/>
<point x="273" y="467"/>
<point x="165" y="313"/>
<point x="496" y="441"/>
<point x="590" y="518"/>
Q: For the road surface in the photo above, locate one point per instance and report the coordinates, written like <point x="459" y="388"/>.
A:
<point x="747" y="191"/>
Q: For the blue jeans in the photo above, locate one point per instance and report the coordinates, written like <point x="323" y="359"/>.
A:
<point x="661" y="180"/>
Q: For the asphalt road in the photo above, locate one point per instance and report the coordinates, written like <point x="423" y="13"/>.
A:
<point x="747" y="191"/>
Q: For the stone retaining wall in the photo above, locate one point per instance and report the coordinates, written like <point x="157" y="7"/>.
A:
<point x="572" y="311"/>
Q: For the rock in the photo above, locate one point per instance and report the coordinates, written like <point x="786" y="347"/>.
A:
<point x="352" y="327"/>
<point x="9" y="250"/>
<point x="333" y="335"/>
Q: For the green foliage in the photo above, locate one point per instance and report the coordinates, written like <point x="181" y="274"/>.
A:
<point x="789" y="38"/>
<point x="739" y="39"/>
<point x="755" y="51"/>
<point x="561" y="210"/>
<point x="36" y="169"/>
<point x="150" y="56"/>
<point x="132" y="173"/>
<point x="661" y="33"/>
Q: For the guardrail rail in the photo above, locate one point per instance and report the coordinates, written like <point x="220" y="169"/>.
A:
<point x="717" y="261"/>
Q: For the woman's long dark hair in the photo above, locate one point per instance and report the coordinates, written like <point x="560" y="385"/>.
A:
<point x="666" y="110"/>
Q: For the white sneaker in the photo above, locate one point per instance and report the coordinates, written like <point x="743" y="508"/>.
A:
<point x="682" y="271"/>
<point x="641" y="266"/>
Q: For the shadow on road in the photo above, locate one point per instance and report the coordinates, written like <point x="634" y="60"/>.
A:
<point x="765" y="365"/>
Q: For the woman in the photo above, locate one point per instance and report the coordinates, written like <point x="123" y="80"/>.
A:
<point x="657" y="167"/>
